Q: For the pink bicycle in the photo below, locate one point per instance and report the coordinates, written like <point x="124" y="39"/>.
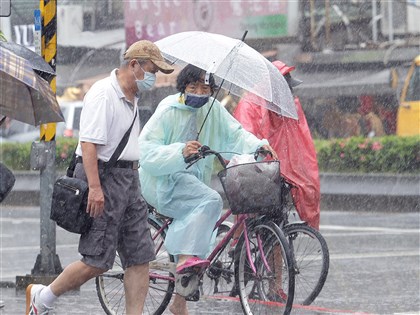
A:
<point x="260" y="268"/>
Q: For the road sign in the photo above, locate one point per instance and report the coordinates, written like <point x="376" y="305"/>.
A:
<point x="38" y="29"/>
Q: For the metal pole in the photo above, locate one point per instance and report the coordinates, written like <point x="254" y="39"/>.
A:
<point x="374" y="22"/>
<point x="327" y="23"/>
<point x="390" y="22"/>
<point x="48" y="263"/>
<point x="312" y="21"/>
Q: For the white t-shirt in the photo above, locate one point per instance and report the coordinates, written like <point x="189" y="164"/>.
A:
<point x="105" y="117"/>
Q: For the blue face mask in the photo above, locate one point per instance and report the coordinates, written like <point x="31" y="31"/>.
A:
<point x="147" y="83"/>
<point x="195" y="100"/>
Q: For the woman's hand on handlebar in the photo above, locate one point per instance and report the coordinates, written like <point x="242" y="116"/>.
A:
<point x="191" y="147"/>
<point x="271" y="151"/>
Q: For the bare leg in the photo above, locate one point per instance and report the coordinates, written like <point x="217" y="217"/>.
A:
<point x="73" y="276"/>
<point x="136" y="285"/>
<point x="276" y="263"/>
<point x="239" y="230"/>
<point x="179" y="306"/>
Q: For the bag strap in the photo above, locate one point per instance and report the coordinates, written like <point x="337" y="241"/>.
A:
<point x="121" y="146"/>
<point x="114" y="157"/>
<point x="72" y="165"/>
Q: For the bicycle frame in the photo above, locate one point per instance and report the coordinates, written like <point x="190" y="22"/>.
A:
<point x="219" y="247"/>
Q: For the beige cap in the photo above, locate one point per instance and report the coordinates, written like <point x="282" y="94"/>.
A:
<point x="145" y="49"/>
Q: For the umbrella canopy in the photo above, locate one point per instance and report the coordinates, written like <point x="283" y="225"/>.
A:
<point x="235" y="64"/>
<point x="37" y="63"/>
<point x="24" y="95"/>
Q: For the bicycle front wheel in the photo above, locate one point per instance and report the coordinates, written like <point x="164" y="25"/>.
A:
<point x="263" y="270"/>
<point x="311" y="261"/>
<point x="110" y="289"/>
<point x="110" y="285"/>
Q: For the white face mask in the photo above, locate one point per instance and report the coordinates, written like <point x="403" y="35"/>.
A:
<point x="147" y="83"/>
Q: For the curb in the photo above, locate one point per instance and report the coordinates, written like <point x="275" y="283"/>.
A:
<point x="349" y="192"/>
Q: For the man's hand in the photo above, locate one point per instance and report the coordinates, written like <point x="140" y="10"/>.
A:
<point x="96" y="199"/>
<point x="96" y="202"/>
<point x="269" y="148"/>
<point x="191" y="147"/>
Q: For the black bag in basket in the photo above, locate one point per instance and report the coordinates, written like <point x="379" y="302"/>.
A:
<point x="69" y="202"/>
<point x="7" y="181"/>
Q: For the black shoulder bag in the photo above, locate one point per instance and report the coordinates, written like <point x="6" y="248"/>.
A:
<point x="69" y="199"/>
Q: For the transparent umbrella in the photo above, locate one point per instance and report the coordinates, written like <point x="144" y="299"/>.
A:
<point x="235" y="64"/>
<point x="24" y="95"/>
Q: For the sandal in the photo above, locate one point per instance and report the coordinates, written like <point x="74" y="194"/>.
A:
<point x="192" y="263"/>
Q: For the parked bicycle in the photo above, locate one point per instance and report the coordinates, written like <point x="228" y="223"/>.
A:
<point x="310" y="253"/>
<point x="262" y="263"/>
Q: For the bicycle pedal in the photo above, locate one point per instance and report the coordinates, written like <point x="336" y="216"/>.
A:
<point x="186" y="284"/>
<point x="194" y="297"/>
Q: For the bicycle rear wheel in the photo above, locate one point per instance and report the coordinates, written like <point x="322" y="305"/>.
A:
<point x="110" y="285"/>
<point x="311" y="261"/>
<point x="271" y="287"/>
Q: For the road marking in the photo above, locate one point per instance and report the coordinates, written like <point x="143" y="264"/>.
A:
<point x="20" y="248"/>
<point x="375" y="255"/>
<point x="368" y="229"/>
<point x="19" y="220"/>
<point x="295" y="306"/>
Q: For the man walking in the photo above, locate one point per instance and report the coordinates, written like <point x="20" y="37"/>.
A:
<point x="114" y="200"/>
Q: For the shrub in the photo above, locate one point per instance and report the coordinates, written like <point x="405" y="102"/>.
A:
<point x="17" y="155"/>
<point x="389" y="154"/>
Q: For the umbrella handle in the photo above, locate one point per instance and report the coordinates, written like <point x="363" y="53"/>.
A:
<point x="243" y="36"/>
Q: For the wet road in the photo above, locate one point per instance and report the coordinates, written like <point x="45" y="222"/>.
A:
<point x="374" y="267"/>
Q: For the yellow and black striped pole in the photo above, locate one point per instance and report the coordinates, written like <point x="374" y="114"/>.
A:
<point x="49" y="53"/>
<point x="48" y="263"/>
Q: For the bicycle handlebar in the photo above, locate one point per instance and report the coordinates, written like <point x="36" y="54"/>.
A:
<point x="262" y="151"/>
<point x="204" y="151"/>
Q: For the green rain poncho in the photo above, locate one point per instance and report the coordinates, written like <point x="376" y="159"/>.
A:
<point x="180" y="193"/>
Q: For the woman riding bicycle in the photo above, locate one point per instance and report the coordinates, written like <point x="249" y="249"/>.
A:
<point x="184" y="194"/>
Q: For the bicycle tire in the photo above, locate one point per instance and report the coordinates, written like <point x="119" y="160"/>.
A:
<point x="311" y="261"/>
<point x="110" y="286"/>
<point x="258" y="292"/>
<point x="219" y="277"/>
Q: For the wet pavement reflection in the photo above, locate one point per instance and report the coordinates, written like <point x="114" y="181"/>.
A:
<point x="374" y="266"/>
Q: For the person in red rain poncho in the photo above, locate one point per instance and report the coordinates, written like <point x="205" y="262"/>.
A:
<point x="292" y="141"/>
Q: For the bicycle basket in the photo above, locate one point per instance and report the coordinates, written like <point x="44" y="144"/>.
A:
<point x="253" y="187"/>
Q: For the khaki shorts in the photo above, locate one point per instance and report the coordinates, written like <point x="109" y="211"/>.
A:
<point x="122" y="227"/>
